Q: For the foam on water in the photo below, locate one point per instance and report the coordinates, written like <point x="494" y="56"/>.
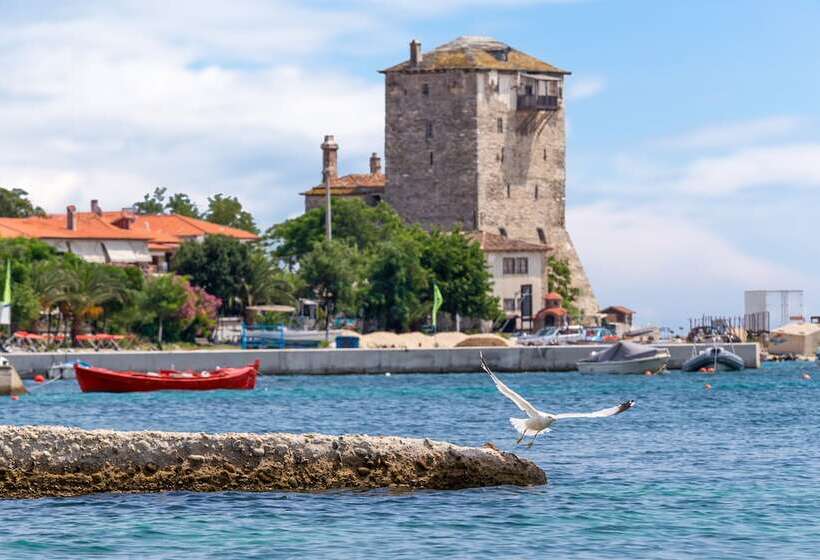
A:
<point x="730" y="472"/>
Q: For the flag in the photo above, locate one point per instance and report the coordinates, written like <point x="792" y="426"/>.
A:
<point x="437" y="301"/>
<point x="5" y="305"/>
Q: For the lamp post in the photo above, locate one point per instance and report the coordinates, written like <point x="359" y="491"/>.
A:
<point x="328" y="233"/>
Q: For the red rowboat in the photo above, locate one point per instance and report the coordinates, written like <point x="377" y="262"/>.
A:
<point x="101" y="380"/>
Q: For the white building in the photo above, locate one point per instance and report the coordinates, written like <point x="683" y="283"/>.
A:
<point x="518" y="269"/>
<point x="782" y="306"/>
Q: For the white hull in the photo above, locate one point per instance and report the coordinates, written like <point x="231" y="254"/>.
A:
<point x="654" y="364"/>
<point x="62" y="372"/>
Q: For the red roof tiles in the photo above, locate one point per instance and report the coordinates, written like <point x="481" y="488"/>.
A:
<point x="355" y="183"/>
<point x="494" y="243"/>
<point x="162" y="232"/>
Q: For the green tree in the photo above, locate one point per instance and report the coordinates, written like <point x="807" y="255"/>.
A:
<point x="83" y="291"/>
<point x="162" y="299"/>
<point x="220" y="265"/>
<point x="152" y="203"/>
<point x="354" y="222"/>
<point x="27" y="256"/>
<point x="397" y="284"/>
<point x="14" y="203"/>
<point x="458" y="266"/>
<point x="228" y="211"/>
<point x="266" y="283"/>
<point x="182" y="205"/>
<point x="331" y="271"/>
<point x="559" y="280"/>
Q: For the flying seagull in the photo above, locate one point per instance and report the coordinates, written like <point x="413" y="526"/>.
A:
<point x="541" y="421"/>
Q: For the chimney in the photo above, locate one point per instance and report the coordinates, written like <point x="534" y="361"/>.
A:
<point x="415" y="53"/>
<point x="330" y="169"/>
<point x="71" y="218"/>
<point x="95" y="207"/>
<point x="126" y="219"/>
<point x="375" y="164"/>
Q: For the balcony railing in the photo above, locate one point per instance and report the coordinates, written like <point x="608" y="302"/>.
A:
<point x="539" y="102"/>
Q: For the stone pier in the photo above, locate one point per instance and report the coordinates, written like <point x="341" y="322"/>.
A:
<point x="46" y="461"/>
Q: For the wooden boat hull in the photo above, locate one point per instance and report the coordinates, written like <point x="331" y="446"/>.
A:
<point x="652" y="364"/>
<point x="100" y="380"/>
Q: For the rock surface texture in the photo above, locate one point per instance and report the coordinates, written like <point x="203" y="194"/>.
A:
<point x="56" y="461"/>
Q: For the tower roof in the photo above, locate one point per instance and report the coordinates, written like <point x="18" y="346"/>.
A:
<point x="476" y="53"/>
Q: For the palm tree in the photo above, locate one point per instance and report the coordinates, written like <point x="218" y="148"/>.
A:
<point x="83" y="289"/>
<point x="47" y="282"/>
<point x="266" y="282"/>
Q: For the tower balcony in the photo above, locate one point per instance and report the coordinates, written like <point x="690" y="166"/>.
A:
<point x="538" y="102"/>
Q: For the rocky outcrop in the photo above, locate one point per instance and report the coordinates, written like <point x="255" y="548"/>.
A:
<point x="55" y="461"/>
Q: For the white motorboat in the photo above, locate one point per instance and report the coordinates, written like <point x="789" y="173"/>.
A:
<point x="625" y="357"/>
<point x="65" y="370"/>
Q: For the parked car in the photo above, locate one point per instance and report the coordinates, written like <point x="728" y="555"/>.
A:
<point x="573" y="334"/>
<point x="540" y="338"/>
<point x="596" y="335"/>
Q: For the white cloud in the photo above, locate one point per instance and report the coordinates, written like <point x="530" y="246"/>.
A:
<point x="666" y="267"/>
<point x="795" y="165"/>
<point x="589" y="86"/>
<point x="111" y="107"/>
<point x="735" y="134"/>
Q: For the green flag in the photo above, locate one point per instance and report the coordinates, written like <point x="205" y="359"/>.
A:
<point x="437" y="301"/>
<point x="7" y="289"/>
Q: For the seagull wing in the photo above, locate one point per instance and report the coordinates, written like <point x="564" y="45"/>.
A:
<point x="623" y="407"/>
<point x="519" y="401"/>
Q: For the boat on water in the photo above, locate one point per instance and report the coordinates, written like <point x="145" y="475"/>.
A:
<point x="625" y="357"/>
<point x="714" y="358"/>
<point x="101" y="380"/>
<point x="65" y="370"/>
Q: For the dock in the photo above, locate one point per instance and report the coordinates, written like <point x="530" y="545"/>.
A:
<point x="358" y="361"/>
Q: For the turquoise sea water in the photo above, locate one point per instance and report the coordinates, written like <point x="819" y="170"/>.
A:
<point x="731" y="472"/>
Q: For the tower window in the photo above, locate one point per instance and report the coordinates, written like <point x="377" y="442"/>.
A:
<point x="428" y="132"/>
<point x="500" y="55"/>
<point x="508" y="190"/>
<point x="502" y="154"/>
<point x="536" y="192"/>
<point x="545" y="154"/>
<point x="500" y="124"/>
<point x="502" y="231"/>
<point x="431" y="158"/>
<point x="542" y="236"/>
<point x="425" y="89"/>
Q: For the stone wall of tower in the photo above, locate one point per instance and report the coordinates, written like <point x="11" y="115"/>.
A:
<point x="481" y="176"/>
<point x="522" y="174"/>
<point x="441" y="191"/>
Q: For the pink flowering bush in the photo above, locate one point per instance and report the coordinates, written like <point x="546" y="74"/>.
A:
<point x="199" y="312"/>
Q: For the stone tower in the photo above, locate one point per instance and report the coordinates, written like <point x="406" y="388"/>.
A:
<point x="474" y="138"/>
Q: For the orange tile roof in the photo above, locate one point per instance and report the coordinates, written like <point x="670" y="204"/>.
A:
<point x="476" y="53"/>
<point x="53" y="226"/>
<point x="494" y="243"/>
<point x="618" y="309"/>
<point x="355" y="183"/>
<point x="553" y="311"/>
<point x="161" y="231"/>
<point x="173" y="228"/>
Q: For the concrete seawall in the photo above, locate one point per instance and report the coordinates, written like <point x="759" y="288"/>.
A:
<point x="55" y="461"/>
<point x="285" y="362"/>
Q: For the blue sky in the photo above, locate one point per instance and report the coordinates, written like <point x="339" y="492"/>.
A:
<point x="693" y="127"/>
